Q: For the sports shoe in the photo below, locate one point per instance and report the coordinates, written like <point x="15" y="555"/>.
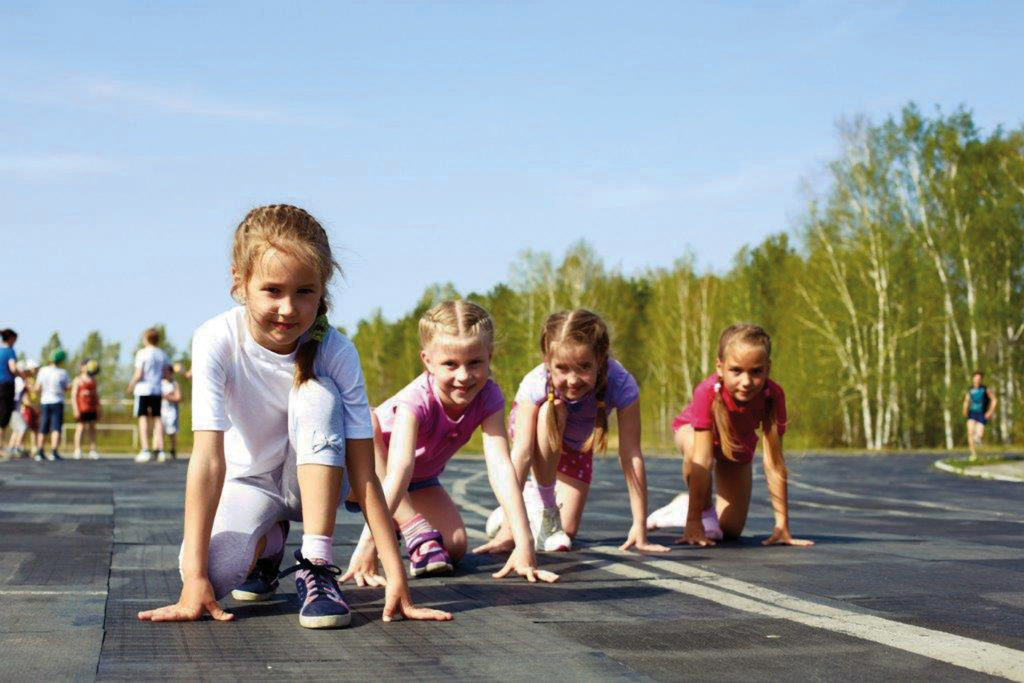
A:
<point x="161" y="457"/>
<point x="548" y="535"/>
<point x="93" y="455"/>
<point x="78" y="454"/>
<point x="262" y="580"/>
<point x="427" y="555"/>
<point x="322" y="604"/>
<point x="671" y="515"/>
<point x="54" y="455"/>
<point x="144" y="456"/>
<point x="494" y="522"/>
<point x="39" y="457"/>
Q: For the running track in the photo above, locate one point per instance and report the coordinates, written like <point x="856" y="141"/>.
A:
<point x="916" y="575"/>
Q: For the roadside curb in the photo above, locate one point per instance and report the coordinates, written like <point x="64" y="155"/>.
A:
<point x="977" y="472"/>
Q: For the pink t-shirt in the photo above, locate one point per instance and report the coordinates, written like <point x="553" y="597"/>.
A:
<point x="746" y="418"/>
<point x="438" y="437"/>
<point x="621" y="391"/>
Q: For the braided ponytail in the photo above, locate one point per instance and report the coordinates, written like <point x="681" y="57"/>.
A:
<point x="554" y="438"/>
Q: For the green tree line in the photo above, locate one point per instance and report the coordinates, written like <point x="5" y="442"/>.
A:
<point x="904" y="275"/>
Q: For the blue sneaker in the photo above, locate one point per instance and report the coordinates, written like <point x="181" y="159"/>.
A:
<point x="322" y="604"/>
<point x="262" y="580"/>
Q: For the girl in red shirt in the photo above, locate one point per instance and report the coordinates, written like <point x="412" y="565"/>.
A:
<point x="86" y="405"/>
<point x="718" y="431"/>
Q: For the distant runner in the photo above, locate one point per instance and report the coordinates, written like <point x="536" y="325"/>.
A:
<point x="979" y="405"/>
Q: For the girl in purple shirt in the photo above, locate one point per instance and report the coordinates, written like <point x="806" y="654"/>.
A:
<point x="419" y="429"/>
<point x="560" y="417"/>
<point x="716" y="432"/>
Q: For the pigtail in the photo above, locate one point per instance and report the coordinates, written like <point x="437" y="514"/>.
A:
<point x="769" y="412"/>
<point x="723" y="426"/>
<point x="598" y="440"/>
<point x="554" y="438"/>
<point x="306" y="354"/>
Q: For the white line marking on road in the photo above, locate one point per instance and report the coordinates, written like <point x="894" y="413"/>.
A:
<point x="967" y="653"/>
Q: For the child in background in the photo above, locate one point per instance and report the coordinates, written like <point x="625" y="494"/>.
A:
<point x="717" y="430"/>
<point x="52" y="382"/>
<point x="85" y="399"/>
<point x="151" y="365"/>
<point x="30" y="405"/>
<point x="560" y="416"/>
<point x="24" y="368"/>
<point x="281" y="428"/>
<point x="169" y="409"/>
<point x="419" y="429"/>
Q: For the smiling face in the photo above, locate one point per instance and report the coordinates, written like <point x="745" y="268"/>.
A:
<point x="573" y="369"/>
<point x="744" y="370"/>
<point x="281" y="300"/>
<point x="461" y="367"/>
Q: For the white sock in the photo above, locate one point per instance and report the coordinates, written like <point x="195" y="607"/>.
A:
<point x="317" y="548"/>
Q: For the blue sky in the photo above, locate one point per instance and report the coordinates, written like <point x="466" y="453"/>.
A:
<point x="435" y="141"/>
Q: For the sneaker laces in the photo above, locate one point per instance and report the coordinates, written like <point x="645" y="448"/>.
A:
<point x="323" y="574"/>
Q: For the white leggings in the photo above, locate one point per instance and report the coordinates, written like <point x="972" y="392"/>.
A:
<point x="250" y="506"/>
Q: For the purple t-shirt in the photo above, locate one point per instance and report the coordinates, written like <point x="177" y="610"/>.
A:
<point x="621" y="391"/>
<point x="438" y="437"/>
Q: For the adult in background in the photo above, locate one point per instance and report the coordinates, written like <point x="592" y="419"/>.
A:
<point x="8" y="371"/>
<point x="979" y="405"/>
<point x="151" y="365"/>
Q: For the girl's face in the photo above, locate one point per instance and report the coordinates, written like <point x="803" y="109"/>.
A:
<point x="281" y="298"/>
<point x="460" y="366"/>
<point x="744" y="371"/>
<point x="573" y="370"/>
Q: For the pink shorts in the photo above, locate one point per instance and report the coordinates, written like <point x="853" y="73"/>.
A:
<point x="577" y="464"/>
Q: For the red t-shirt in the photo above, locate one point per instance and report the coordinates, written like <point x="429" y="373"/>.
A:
<point x="746" y="418"/>
<point x="86" y="397"/>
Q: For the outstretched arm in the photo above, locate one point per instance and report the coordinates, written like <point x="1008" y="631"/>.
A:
<point x="775" y="475"/>
<point x="505" y="485"/>
<point x="363" y="478"/>
<point x="203" y="486"/>
<point x="631" y="459"/>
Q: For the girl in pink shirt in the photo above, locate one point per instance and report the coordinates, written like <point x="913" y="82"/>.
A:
<point x="717" y="429"/>
<point x="560" y="417"/>
<point x="419" y="429"/>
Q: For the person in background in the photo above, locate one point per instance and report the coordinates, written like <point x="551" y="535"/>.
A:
<point x="53" y="385"/>
<point x="29" y="402"/>
<point x="85" y="400"/>
<point x="151" y="364"/>
<point x="8" y="371"/>
<point x="979" y="406"/>
<point x="171" y="393"/>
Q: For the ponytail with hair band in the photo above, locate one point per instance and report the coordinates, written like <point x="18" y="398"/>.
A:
<point x="554" y="438"/>
<point x="598" y="440"/>
<point x="723" y="425"/>
<point x="306" y="354"/>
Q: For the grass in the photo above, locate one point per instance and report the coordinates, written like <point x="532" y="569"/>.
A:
<point x="964" y="463"/>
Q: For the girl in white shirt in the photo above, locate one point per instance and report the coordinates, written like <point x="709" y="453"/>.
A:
<point x="282" y="427"/>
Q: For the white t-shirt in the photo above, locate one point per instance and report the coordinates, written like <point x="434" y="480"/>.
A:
<point x="241" y="389"/>
<point x="152" y="361"/>
<point x="168" y="386"/>
<point x="52" y="382"/>
<point x="19" y="391"/>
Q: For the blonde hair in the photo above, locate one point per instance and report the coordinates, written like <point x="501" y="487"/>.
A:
<point x="456" y="318"/>
<point x="293" y="231"/>
<point x="583" y="328"/>
<point x="751" y="335"/>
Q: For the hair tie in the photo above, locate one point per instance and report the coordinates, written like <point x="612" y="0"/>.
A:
<point x="551" y="396"/>
<point x="718" y="387"/>
<point x="600" y="405"/>
<point x="319" y="329"/>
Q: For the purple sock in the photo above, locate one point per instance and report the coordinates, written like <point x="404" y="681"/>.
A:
<point x="275" y="541"/>
<point x="414" y="527"/>
<point x="547" y="495"/>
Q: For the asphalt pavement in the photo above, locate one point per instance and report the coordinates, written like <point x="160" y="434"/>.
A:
<point x="916" y="575"/>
